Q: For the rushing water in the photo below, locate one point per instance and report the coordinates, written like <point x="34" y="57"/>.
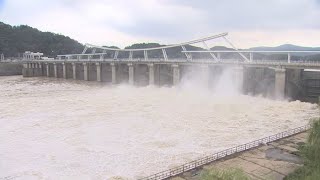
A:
<point x="64" y="129"/>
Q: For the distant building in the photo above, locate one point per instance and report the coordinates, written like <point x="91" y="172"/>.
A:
<point x="32" y="55"/>
<point x="2" y="57"/>
<point x="46" y="58"/>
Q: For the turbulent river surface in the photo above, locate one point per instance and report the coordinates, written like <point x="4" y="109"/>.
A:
<point x="64" y="129"/>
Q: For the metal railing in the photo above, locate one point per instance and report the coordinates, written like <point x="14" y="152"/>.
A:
<point x="262" y="61"/>
<point x="219" y="155"/>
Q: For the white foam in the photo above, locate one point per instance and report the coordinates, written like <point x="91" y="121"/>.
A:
<point x="59" y="129"/>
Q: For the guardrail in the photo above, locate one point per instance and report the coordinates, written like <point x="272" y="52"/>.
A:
<point x="219" y="155"/>
<point x="239" y="61"/>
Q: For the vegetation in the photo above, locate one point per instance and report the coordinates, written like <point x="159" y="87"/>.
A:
<point x="228" y="174"/>
<point x="15" y="40"/>
<point x="310" y="152"/>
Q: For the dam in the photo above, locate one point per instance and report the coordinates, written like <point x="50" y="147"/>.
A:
<point x="282" y="78"/>
<point x="100" y="115"/>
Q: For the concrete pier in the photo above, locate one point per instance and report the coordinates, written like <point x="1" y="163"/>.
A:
<point x="34" y="69"/>
<point x="131" y="74"/>
<point x="55" y="69"/>
<point x="30" y="70"/>
<point x="239" y="77"/>
<point x="85" y="72"/>
<point x="64" y="70"/>
<point x="113" y="73"/>
<point x="40" y="69"/>
<point x="74" y="71"/>
<point x="151" y="74"/>
<point x="269" y="82"/>
<point x="48" y="69"/>
<point x="98" y="66"/>
<point x="24" y="70"/>
<point x="37" y="69"/>
<point x="204" y="74"/>
<point x="280" y="83"/>
<point x="176" y="74"/>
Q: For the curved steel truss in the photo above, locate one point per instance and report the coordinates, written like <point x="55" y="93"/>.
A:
<point x="115" y="51"/>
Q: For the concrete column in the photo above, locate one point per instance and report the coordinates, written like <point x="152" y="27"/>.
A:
<point x="29" y="70"/>
<point x="238" y="75"/>
<point x="151" y="74"/>
<point x="85" y="72"/>
<point x="176" y="74"/>
<point x="74" y="71"/>
<point x="64" y="70"/>
<point x="205" y="75"/>
<point x="35" y="69"/>
<point x="25" y="70"/>
<point x="280" y="83"/>
<point x="131" y="74"/>
<point x="40" y="69"/>
<point x="32" y="68"/>
<point x="113" y="71"/>
<point x="98" y="65"/>
<point x="55" y="68"/>
<point x="48" y="69"/>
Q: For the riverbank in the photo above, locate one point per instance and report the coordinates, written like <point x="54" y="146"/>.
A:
<point x="9" y="69"/>
<point x="273" y="161"/>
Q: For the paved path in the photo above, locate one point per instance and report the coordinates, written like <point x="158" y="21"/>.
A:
<point x="271" y="162"/>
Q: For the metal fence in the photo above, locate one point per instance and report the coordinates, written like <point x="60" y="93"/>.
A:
<point x="219" y="155"/>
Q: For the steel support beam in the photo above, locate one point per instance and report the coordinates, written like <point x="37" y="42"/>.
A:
<point x="84" y="50"/>
<point x="244" y="57"/>
<point x="130" y="55"/>
<point x="251" y="56"/>
<point x="165" y="56"/>
<point x="116" y="53"/>
<point x="145" y="53"/>
<point x="187" y="54"/>
<point x="207" y="47"/>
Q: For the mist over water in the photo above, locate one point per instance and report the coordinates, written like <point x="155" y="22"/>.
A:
<point x="226" y="84"/>
<point x="64" y="129"/>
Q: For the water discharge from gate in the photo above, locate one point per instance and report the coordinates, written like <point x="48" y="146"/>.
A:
<point x="64" y="129"/>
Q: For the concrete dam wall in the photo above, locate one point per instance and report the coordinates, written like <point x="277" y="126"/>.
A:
<point x="294" y="84"/>
<point x="9" y="69"/>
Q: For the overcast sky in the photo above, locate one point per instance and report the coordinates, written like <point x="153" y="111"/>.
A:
<point x="123" y="22"/>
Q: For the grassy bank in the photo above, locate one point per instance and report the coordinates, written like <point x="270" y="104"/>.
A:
<point x="310" y="152"/>
<point x="228" y="174"/>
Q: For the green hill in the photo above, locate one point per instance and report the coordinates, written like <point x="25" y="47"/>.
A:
<point x="15" y="40"/>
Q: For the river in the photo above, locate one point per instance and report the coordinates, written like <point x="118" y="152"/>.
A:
<point x="65" y="129"/>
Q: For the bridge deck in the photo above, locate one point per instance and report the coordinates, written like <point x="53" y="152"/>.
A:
<point x="230" y="62"/>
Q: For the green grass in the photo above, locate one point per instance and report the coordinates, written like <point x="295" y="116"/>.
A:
<point x="228" y="174"/>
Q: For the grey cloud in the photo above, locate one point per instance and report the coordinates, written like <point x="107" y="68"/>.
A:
<point x="232" y="15"/>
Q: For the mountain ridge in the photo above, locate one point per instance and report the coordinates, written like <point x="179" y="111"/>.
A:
<point x="14" y="40"/>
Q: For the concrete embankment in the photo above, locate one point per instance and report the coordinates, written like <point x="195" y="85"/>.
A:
<point x="273" y="161"/>
<point x="9" y="69"/>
